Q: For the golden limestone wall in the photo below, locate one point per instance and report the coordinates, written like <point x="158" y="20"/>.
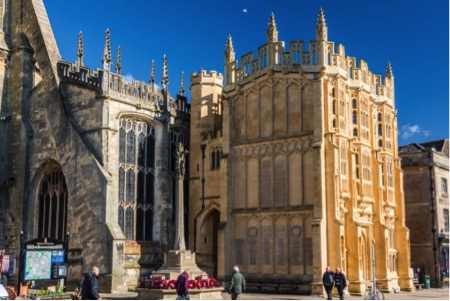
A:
<point x="310" y="173"/>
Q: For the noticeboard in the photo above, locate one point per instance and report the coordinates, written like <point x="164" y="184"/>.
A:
<point x="44" y="260"/>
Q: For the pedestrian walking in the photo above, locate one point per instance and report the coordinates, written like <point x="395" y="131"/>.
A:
<point x="182" y="286"/>
<point x="340" y="283"/>
<point x="237" y="284"/>
<point x="89" y="288"/>
<point x="328" y="281"/>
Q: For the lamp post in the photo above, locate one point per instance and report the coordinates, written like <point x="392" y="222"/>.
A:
<point x="203" y="148"/>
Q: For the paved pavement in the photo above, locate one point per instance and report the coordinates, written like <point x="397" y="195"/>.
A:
<point x="425" y="294"/>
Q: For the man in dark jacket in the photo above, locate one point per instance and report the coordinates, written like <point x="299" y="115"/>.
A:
<point x="89" y="288"/>
<point x="182" y="286"/>
<point x="340" y="282"/>
<point x="328" y="281"/>
<point x="237" y="284"/>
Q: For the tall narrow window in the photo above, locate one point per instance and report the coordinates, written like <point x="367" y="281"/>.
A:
<point x="356" y="166"/>
<point x="444" y="187"/>
<point x="136" y="178"/>
<point x="52" y="202"/>
<point x="446" y="220"/>
<point x="215" y="158"/>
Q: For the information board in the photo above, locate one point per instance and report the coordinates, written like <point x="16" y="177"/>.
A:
<point x="39" y="263"/>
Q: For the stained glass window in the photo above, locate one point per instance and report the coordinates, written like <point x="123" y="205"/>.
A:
<point x="136" y="178"/>
<point x="52" y="198"/>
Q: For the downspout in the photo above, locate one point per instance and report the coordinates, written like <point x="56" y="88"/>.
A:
<point x="433" y="214"/>
<point x="202" y="147"/>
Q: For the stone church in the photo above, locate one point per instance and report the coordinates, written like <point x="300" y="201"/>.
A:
<point x="84" y="152"/>
<point x="293" y="161"/>
<point x="300" y="168"/>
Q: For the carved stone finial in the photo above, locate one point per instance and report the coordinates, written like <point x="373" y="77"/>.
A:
<point x="119" y="61"/>
<point x="152" y="76"/>
<point x="80" y="52"/>
<point x="165" y="79"/>
<point x="107" y="51"/>
<point x="229" y="51"/>
<point x="182" y="90"/>
<point x="321" y="27"/>
<point x="272" y="32"/>
<point x="389" y="72"/>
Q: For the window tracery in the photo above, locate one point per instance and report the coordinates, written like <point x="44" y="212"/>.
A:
<point x="52" y="202"/>
<point x="136" y="178"/>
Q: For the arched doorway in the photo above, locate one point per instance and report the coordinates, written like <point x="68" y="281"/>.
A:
<point x="209" y="243"/>
<point x="52" y="203"/>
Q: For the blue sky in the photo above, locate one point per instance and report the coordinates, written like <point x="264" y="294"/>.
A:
<point x="412" y="35"/>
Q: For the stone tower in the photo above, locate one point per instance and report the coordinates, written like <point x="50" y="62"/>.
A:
<point x="85" y="152"/>
<point x="309" y="174"/>
<point x="206" y="89"/>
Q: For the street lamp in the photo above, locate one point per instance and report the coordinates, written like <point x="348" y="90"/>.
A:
<point x="203" y="148"/>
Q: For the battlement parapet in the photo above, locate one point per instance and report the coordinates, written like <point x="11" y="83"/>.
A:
<point x="213" y="134"/>
<point x="315" y="56"/>
<point x="203" y="77"/>
<point x="82" y="76"/>
<point x="114" y="85"/>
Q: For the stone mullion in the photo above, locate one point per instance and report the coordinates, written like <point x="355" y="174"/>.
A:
<point x="301" y="105"/>
<point x="288" y="243"/>
<point x="245" y="181"/>
<point x="286" y="108"/>
<point x="58" y="196"/>
<point x="135" y="168"/>
<point x="288" y="182"/>
<point x="303" y="234"/>
<point x="302" y="159"/>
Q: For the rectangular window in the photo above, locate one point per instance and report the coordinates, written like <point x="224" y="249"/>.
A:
<point x="446" y="220"/>
<point x="444" y="187"/>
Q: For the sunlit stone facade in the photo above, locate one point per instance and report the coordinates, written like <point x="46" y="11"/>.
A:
<point x="85" y="152"/>
<point x="309" y="173"/>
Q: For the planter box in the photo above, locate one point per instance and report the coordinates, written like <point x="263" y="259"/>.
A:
<point x="53" y="297"/>
<point x="214" y="293"/>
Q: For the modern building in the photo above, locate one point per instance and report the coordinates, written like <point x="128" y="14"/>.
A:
<point x="300" y="168"/>
<point x="425" y="181"/>
<point x="85" y="152"/>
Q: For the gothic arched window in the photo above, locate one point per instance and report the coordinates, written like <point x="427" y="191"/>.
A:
<point x="136" y="178"/>
<point x="52" y="202"/>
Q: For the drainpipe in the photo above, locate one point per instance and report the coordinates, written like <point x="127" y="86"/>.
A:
<point x="202" y="147"/>
<point x="433" y="215"/>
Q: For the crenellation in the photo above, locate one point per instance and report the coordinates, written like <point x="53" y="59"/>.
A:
<point x="134" y="91"/>
<point x="203" y="77"/>
<point x="299" y="58"/>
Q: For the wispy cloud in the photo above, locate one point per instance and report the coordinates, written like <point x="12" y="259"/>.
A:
<point x="408" y="130"/>
<point x="128" y="78"/>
